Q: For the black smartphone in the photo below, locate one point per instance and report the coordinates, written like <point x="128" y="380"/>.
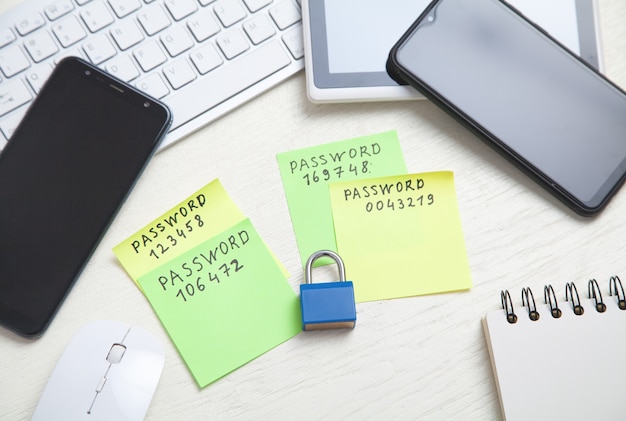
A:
<point x="63" y="176"/>
<point x="523" y="92"/>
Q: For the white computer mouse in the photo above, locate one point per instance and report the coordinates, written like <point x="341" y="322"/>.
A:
<point x="109" y="371"/>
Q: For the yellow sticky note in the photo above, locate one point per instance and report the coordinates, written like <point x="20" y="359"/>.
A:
<point x="400" y="236"/>
<point x="306" y="174"/>
<point x="202" y="215"/>
<point x="224" y="302"/>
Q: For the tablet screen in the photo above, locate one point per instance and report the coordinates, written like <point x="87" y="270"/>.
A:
<point x="359" y="35"/>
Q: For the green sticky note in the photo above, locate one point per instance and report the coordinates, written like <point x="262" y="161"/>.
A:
<point x="306" y="174"/>
<point x="223" y="302"/>
<point x="400" y="236"/>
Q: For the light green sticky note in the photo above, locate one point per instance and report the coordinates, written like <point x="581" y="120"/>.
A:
<point x="306" y="174"/>
<point x="224" y="302"/>
<point x="400" y="236"/>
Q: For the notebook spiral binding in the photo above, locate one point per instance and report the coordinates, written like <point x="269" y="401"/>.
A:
<point x="616" y="289"/>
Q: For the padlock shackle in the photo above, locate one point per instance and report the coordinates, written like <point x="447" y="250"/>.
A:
<point x="321" y="253"/>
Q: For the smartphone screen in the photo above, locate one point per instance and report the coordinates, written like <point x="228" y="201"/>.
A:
<point x="63" y="176"/>
<point x="539" y="104"/>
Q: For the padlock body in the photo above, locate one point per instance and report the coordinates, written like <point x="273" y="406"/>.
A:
<point x="328" y="305"/>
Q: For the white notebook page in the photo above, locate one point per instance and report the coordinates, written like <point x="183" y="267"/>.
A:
<point x="570" y="368"/>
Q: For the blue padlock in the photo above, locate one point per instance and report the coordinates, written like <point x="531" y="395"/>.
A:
<point x="328" y="305"/>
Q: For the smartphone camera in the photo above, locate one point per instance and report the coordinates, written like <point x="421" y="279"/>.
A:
<point x="146" y="104"/>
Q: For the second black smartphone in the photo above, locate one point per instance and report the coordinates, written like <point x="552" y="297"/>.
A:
<point x="63" y="175"/>
<point x="536" y="102"/>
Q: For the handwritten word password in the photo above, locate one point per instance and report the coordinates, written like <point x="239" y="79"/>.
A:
<point x="172" y="221"/>
<point x="365" y="192"/>
<point x="191" y="275"/>
<point x="306" y="164"/>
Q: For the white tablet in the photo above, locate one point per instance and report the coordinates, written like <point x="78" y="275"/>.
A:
<point x="347" y="42"/>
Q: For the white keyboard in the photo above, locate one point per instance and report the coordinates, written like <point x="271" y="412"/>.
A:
<point x="201" y="57"/>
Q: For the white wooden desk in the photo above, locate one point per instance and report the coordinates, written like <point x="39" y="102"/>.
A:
<point x="414" y="358"/>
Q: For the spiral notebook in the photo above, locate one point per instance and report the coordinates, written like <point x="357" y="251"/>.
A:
<point x="560" y="359"/>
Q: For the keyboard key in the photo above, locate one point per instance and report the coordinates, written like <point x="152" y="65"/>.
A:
<point x="69" y="31"/>
<point x="285" y="14"/>
<point x="153" y="20"/>
<point x="123" y="68"/>
<point x="149" y="56"/>
<point x="232" y="43"/>
<point x="99" y="49"/>
<point x="6" y="37"/>
<point x="179" y="73"/>
<point x="206" y="58"/>
<point x="203" y="25"/>
<point x="293" y="41"/>
<point x="40" y="46"/>
<point x="126" y="34"/>
<point x="37" y="76"/>
<point x="259" y="29"/>
<point x="9" y="123"/>
<point x="153" y="85"/>
<point x="229" y="12"/>
<point x="123" y="8"/>
<point x="180" y="9"/>
<point x="12" y="61"/>
<point x="96" y="16"/>
<point x="29" y="23"/>
<point x="176" y="41"/>
<point x="255" y="5"/>
<point x="58" y="8"/>
<point x="248" y="69"/>
<point x="12" y="95"/>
